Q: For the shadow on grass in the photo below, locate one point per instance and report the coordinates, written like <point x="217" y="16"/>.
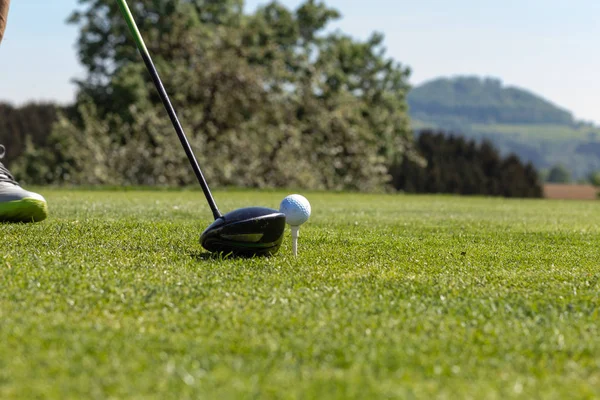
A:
<point x="206" y="256"/>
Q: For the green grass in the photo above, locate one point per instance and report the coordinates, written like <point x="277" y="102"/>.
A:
<point x="391" y="297"/>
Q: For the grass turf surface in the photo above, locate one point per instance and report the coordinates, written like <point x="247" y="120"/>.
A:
<point x="391" y="296"/>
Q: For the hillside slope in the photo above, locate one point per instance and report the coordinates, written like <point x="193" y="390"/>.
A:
<point x="515" y="120"/>
<point x="485" y="100"/>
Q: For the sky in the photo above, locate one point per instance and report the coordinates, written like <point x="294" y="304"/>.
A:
<point x="547" y="46"/>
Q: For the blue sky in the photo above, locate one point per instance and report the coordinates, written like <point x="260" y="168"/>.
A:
<point x="547" y="46"/>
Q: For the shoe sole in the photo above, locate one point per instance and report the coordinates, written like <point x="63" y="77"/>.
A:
<point x="24" y="210"/>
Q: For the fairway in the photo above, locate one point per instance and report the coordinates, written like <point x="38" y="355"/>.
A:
<point x="392" y="296"/>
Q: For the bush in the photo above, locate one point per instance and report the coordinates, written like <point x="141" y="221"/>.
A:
<point x="32" y="120"/>
<point x="327" y="153"/>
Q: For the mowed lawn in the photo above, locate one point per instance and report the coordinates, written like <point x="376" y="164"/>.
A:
<point x="392" y="296"/>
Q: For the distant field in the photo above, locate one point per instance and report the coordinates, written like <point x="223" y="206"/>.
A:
<point x="392" y="296"/>
<point x="541" y="132"/>
<point x="562" y="191"/>
<point x="525" y="132"/>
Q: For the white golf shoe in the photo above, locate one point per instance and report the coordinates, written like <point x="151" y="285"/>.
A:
<point x="16" y="203"/>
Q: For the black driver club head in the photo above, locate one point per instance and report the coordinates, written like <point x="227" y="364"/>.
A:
<point x="247" y="232"/>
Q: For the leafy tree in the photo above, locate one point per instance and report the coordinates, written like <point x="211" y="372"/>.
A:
<point x="594" y="178"/>
<point x="32" y="121"/>
<point x="559" y="174"/>
<point x="274" y="98"/>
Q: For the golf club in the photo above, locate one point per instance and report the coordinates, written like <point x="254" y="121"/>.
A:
<point x="245" y="232"/>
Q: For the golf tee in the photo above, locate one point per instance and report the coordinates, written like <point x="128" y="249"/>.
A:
<point x="295" y="234"/>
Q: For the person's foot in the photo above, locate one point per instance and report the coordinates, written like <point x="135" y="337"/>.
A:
<point x="16" y="203"/>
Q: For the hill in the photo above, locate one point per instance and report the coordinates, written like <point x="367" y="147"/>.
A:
<point x="515" y="120"/>
<point x="484" y="101"/>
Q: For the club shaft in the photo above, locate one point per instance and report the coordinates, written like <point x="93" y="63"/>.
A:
<point x="168" y="106"/>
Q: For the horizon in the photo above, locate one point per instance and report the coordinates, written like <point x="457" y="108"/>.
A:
<point x="553" y="42"/>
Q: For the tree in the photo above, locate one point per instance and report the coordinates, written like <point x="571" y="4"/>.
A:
<point x="460" y="166"/>
<point x="32" y="121"/>
<point x="594" y="178"/>
<point x="559" y="174"/>
<point x="270" y="95"/>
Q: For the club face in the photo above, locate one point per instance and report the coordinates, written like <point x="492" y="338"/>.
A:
<point x="247" y="232"/>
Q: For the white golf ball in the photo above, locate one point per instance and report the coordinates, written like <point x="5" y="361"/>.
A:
<point x="296" y="209"/>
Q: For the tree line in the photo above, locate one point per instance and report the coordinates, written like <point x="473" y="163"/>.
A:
<point x="449" y="163"/>
<point x="268" y="99"/>
<point x="458" y="165"/>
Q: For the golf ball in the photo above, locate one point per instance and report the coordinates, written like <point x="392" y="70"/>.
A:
<point x="296" y="209"/>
